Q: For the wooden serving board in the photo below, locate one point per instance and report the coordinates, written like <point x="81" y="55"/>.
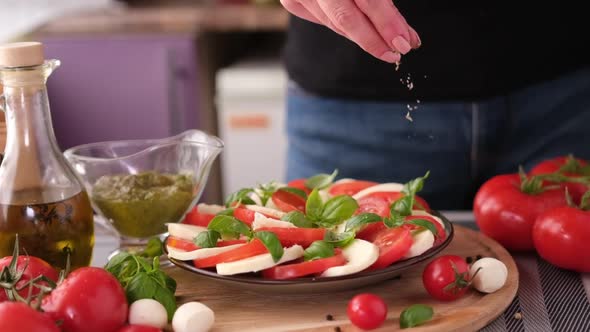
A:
<point x="237" y="310"/>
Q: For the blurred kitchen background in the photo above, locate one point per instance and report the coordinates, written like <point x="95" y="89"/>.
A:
<point x="150" y="69"/>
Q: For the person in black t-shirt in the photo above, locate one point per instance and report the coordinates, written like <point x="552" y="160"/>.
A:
<point x="481" y="88"/>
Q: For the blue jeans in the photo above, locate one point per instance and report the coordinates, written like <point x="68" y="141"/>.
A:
<point x="461" y="143"/>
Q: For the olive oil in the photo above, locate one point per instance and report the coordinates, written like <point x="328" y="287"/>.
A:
<point x="48" y="230"/>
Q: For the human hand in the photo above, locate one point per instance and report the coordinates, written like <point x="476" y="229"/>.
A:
<point x="375" y="25"/>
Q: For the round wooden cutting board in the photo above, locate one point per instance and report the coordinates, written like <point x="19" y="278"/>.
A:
<point x="237" y="310"/>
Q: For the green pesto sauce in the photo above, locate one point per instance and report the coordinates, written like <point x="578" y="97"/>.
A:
<point x="140" y="205"/>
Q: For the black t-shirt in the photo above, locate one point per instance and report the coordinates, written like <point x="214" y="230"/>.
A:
<point x="470" y="50"/>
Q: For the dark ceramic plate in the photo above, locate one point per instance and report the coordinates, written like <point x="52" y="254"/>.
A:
<point x="254" y="282"/>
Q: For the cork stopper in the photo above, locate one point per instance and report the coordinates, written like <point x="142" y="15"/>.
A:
<point x="21" y="54"/>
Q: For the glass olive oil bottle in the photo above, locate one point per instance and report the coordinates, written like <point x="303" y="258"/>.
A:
<point x="41" y="200"/>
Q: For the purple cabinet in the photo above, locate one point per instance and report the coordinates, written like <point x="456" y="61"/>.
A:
<point x="122" y="87"/>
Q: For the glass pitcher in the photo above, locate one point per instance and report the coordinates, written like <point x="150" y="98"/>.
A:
<point x="41" y="199"/>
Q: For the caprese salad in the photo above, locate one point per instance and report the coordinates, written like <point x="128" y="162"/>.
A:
<point x="308" y="227"/>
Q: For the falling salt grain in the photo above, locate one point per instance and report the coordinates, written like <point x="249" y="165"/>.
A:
<point x="409" y="117"/>
<point x="418" y="101"/>
<point x="397" y="66"/>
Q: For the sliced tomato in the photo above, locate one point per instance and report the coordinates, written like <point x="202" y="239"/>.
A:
<point x="392" y="196"/>
<point x="377" y="205"/>
<point x="299" y="184"/>
<point x="350" y="187"/>
<point x="291" y="271"/>
<point x="182" y="244"/>
<point x="441" y="233"/>
<point x="369" y="232"/>
<point x="194" y="217"/>
<point x="298" y="235"/>
<point x="287" y="201"/>
<point x="393" y="244"/>
<point x="253" y="248"/>
<point x="244" y="215"/>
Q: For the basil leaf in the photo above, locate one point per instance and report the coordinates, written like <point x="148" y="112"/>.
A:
<point x="394" y="221"/>
<point x="424" y="224"/>
<point x="314" y="205"/>
<point x="240" y="196"/>
<point x="358" y="221"/>
<point x="317" y="250"/>
<point x="298" y="219"/>
<point x="146" y="286"/>
<point x="272" y="243"/>
<point x="339" y="239"/>
<point x="207" y="239"/>
<point x="415" y="315"/>
<point x="295" y="191"/>
<point x="415" y="185"/>
<point x="585" y="201"/>
<point x="229" y="225"/>
<point x="339" y="208"/>
<point x="321" y="181"/>
<point x="226" y="212"/>
<point x="402" y="206"/>
<point x="116" y="265"/>
<point x="153" y="248"/>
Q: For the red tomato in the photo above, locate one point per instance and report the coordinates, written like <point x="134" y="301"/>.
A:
<point x="367" y="311"/>
<point x="34" y="267"/>
<point x="17" y="316"/>
<point x="370" y="231"/>
<point x="287" y="201"/>
<point x="139" y="328"/>
<point x="441" y="234"/>
<point x="299" y="184"/>
<point x="194" y="217"/>
<point x="253" y="248"/>
<point x="182" y="244"/>
<point x="507" y="214"/>
<point x="298" y="235"/>
<point x="553" y="165"/>
<point x="296" y="270"/>
<point x="244" y="215"/>
<point x="89" y="300"/>
<point x="380" y="202"/>
<point x="350" y="188"/>
<point x="393" y="244"/>
<point x="562" y="237"/>
<point x="446" y="278"/>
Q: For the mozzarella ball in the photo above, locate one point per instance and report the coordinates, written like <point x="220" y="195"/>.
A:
<point x="193" y="317"/>
<point x="148" y="312"/>
<point x="492" y="275"/>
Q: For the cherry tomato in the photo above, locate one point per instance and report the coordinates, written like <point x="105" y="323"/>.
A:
<point x="446" y="278"/>
<point x="244" y="215"/>
<point x="297" y="235"/>
<point x="549" y="166"/>
<point x="367" y="311"/>
<point x="90" y="299"/>
<point x="393" y="244"/>
<point x="139" y="328"/>
<point x="17" y="316"/>
<point x="299" y="184"/>
<point x="253" y="248"/>
<point x="35" y="267"/>
<point x="349" y="187"/>
<point x="562" y="237"/>
<point x="194" y="217"/>
<point x="507" y="214"/>
<point x="287" y="201"/>
<point x="296" y="270"/>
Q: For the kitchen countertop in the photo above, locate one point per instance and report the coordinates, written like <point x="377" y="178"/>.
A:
<point x="169" y="19"/>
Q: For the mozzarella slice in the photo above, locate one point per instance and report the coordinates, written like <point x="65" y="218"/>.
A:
<point x="426" y="214"/>
<point x="383" y="187"/>
<point x="264" y="210"/>
<point x="423" y="241"/>
<point x="209" y="208"/>
<point x="184" y="231"/>
<point x="360" y="255"/>
<point x="199" y="253"/>
<point x="262" y="221"/>
<point x="492" y="274"/>
<point x="258" y="263"/>
<point x="255" y="198"/>
<point x="271" y="205"/>
<point x="324" y="195"/>
<point x="344" y="180"/>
